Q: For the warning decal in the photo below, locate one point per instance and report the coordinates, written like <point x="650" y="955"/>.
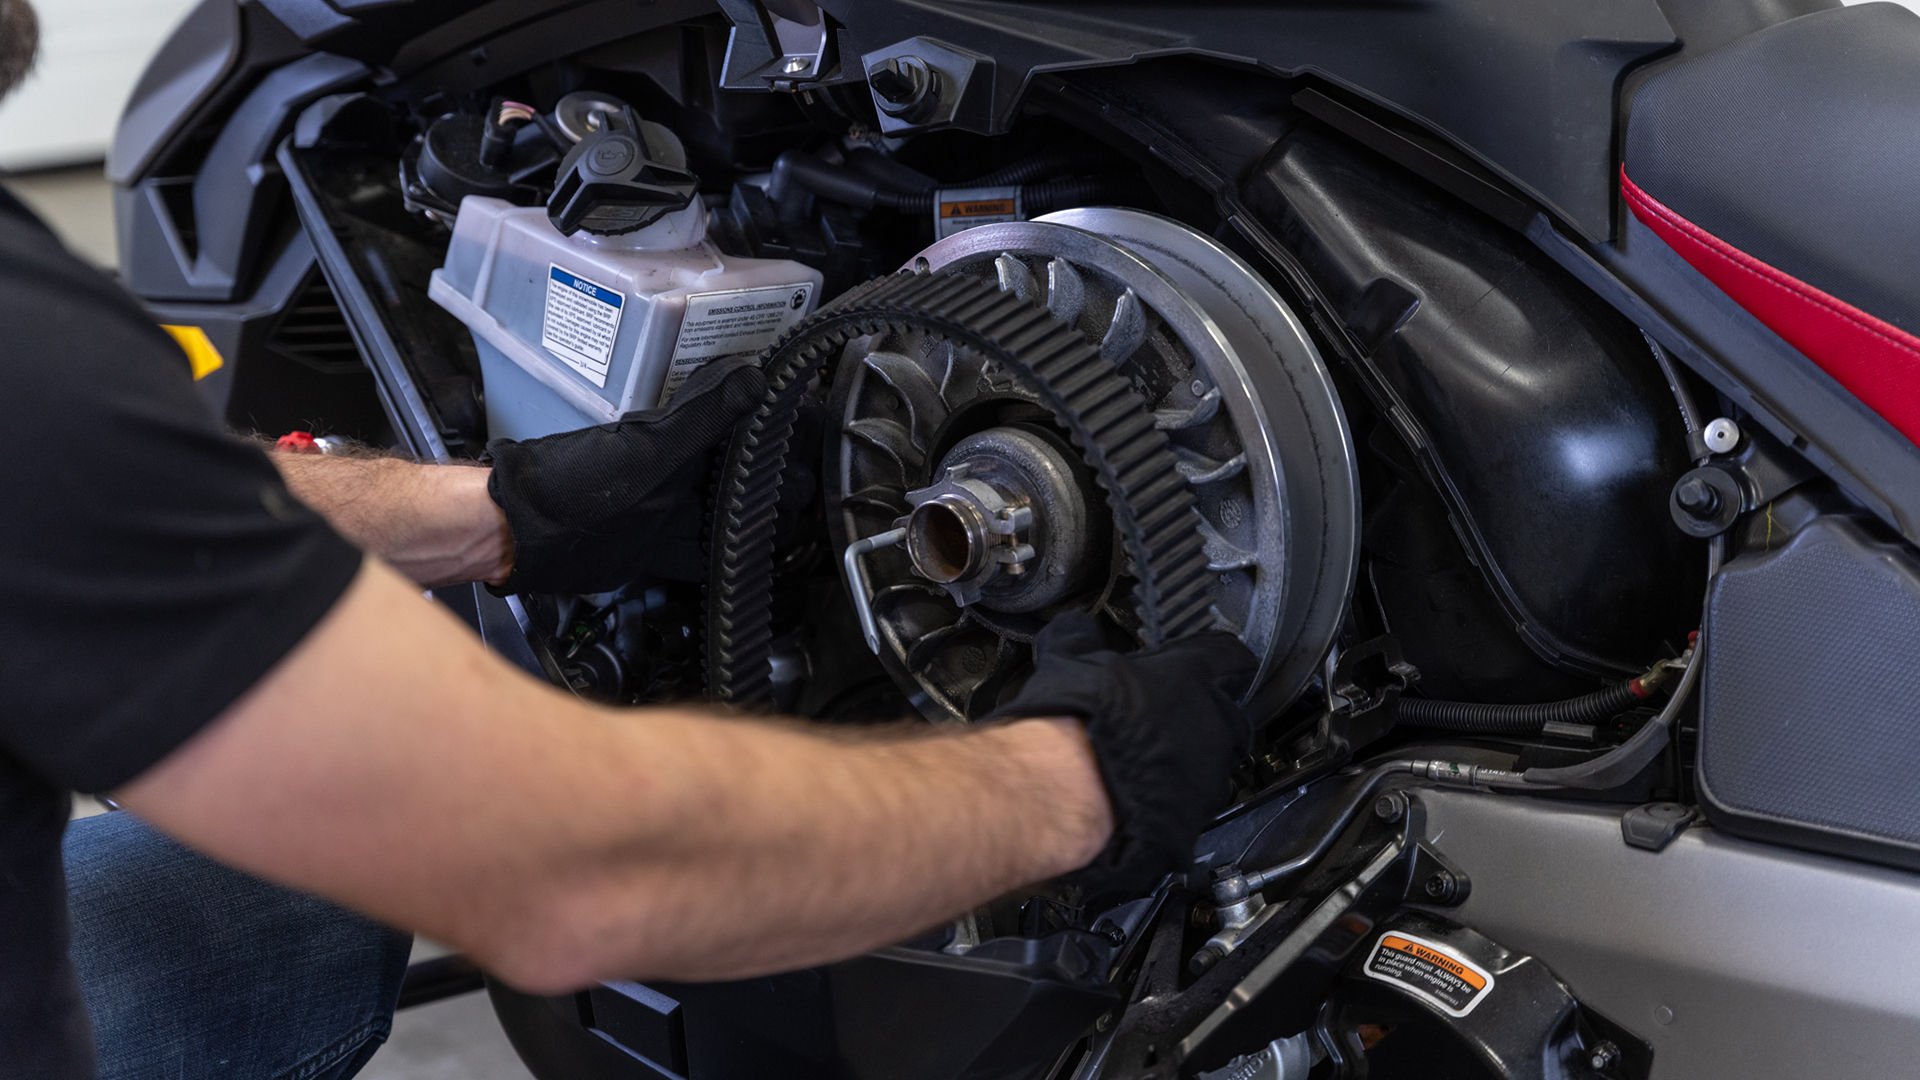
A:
<point x="1429" y="970"/>
<point x="962" y="208"/>
<point x="735" y="322"/>
<point x="581" y="321"/>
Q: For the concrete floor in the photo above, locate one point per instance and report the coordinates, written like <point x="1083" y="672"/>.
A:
<point x="456" y="1039"/>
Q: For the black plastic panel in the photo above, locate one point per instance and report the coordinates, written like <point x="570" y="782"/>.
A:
<point x="1000" y="1013"/>
<point x="201" y="236"/>
<point x="1810" y="702"/>
<point x="1537" y="413"/>
<point x="1526" y="89"/>
<point x="1765" y="377"/>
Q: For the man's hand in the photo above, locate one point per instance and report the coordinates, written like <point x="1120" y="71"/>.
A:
<point x="1166" y="728"/>
<point x="591" y="510"/>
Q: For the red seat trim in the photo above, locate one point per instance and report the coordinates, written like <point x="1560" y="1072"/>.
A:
<point x="1877" y="362"/>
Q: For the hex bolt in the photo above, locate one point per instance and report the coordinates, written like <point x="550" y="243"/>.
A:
<point x="1604" y="1056"/>
<point x="1203" y="961"/>
<point x="1440" y="887"/>
<point x="1390" y="807"/>
<point x="1721" y="435"/>
<point x="1696" y="497"/>
<point x="904" y="84"/>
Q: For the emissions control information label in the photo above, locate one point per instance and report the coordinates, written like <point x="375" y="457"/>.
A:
<point x="582" y="319"/>
<point x="732" y="323"/>
<point x="1430" y="970"/>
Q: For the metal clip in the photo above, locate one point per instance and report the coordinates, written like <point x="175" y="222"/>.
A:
<point x="857" y="579"/>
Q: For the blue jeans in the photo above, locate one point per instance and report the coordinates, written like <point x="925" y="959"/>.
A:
<point x="193" y="970"/>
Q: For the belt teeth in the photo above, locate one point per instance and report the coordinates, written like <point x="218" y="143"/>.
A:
<point x="1010" y="320"/>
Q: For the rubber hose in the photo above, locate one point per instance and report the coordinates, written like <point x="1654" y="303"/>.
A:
<point x="1039" y="167"/>
<point x="1517" y="719"/>
<point x="1049" y="195"/>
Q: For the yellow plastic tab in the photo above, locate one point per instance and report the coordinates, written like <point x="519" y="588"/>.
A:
<point x="201" y="355"/>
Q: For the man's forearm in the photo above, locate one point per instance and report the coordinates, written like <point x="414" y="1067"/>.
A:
<point x="857" y="843"/>
<point x="434" y="523"/>
<point x="392" y="764"/>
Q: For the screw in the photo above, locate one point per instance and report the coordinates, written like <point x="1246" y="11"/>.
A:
<point x="1696" y="497"/>
<point x="1721" y="435"/>
<point x="1604" y="1055"/>
<point x="1440" y="886"/>
<point x="1105" y="1022"/>
<point x="796" y="65"/>
<point x="1198" y="388"/>
<point x="1390" y="807"/>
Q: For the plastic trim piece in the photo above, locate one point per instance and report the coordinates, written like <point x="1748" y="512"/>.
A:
<point x="1735" y="960"/>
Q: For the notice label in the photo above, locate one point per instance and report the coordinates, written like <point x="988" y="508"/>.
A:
<point x="1430" y="970"/>
<point x="582" y="319"/>
<point x="963" y="208"/>
<point x="737" y="322"/>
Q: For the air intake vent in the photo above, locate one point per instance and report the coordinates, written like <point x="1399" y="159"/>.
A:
<point x="313" y="332"/>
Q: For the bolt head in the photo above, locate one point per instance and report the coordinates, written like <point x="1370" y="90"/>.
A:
<point x="1389" y="808"/>
<point x="1439" y="886"/>
<point x="1604" y="1055"/>
<point x="1696" y="497"/>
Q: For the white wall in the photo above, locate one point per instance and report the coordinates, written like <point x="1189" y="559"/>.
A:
<point x="91" y="53"/>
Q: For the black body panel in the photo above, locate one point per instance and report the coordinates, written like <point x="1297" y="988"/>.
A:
<point x="199" y="235"/>
<point x="1533" y="408"/>
<point x="999" y="1013"/>
<point x="1767" y="379"/>
<point x="1810" y="707"/>
<point x="1526" y="89"/>
<point x="1798" y="145"/>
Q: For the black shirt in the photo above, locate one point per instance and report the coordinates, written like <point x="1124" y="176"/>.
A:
<point x="151" y="570"/>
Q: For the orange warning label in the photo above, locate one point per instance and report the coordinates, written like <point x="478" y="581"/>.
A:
<point x="975" y="208"/>
<point x="1430" y="970"/>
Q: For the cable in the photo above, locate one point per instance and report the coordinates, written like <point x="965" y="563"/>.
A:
<point x="1623" y="762"/>
<point x="1478" y="719"/>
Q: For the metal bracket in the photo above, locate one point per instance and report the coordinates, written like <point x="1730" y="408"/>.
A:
<point x="778" y="46"/>
<point x="1706" y="501"/>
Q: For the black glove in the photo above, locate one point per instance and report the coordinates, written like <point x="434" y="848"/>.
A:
<point x="1167" y="730"/>
<point x="591" y="510"/>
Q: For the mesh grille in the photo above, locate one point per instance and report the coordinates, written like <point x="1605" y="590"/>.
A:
<point x="313" y="331"/>
<point x="1811" y="698"/>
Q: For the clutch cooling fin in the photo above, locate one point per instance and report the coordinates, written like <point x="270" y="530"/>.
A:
<point x="1155" y="524"/>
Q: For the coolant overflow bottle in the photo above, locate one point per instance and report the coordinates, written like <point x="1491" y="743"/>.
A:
<point x="602" y="302"/>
